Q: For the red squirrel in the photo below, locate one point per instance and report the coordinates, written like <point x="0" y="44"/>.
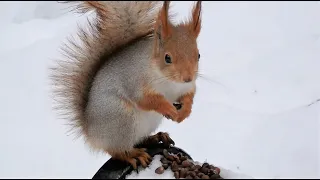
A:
<point x="127" y="72"/>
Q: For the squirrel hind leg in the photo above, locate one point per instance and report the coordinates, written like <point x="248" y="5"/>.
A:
<point x="134" y="157"/>
<point x="154" y="141"/>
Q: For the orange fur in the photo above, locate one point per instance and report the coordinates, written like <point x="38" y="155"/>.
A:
<point x="180" y="43"/>
<point x="163" y="20"/>
<point x="187" y="101"/>
<point x="195" y="24"/>
<point x="158" y="103"/>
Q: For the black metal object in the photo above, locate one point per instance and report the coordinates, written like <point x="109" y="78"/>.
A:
<point x="115" y="169"/>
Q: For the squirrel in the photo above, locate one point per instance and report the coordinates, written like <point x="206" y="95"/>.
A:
<point x="116" y="85"/>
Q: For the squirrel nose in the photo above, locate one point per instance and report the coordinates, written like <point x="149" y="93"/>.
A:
<point x="187" y="79"/>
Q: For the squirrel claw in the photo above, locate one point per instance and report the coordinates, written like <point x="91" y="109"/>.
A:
<point x="165" y="138"/>
<point x="135" y="156"/>
<point x="162" y="137"/>
<point x="154" y="141"/>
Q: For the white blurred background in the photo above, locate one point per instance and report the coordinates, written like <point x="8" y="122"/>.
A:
<point x="256" y="112"/>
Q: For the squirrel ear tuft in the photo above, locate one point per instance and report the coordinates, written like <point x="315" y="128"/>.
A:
<point x="163" y="23"/>
<point x="195" y="24"/>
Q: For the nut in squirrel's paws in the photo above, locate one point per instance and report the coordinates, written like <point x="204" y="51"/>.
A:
<point x="177" y="105"/>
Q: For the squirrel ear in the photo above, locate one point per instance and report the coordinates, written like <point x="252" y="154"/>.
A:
<point x="195" y="23"/>
<point x="163" y="23"/>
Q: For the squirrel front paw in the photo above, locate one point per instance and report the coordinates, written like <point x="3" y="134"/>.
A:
<point x="169" y="111"/>
<point x="183" y="113"/>
<point x="184" y="106"/>
<point x="154" y="141"/>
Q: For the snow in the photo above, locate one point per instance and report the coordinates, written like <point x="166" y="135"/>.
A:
<point x="252" y="112"/>
<point x="149" y="172"/>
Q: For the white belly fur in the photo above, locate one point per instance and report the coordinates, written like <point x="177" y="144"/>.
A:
<point x="172" y="91"/>
<point x="147" y="122"/>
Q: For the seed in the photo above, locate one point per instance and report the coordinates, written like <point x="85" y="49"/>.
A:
<point x="183" y="173"/>
<point x="215" y="176"/>
<point x="159" y="170"/>
<point x="170" y="158"/>
<point x="192" y="174"/>
<point x="192" y="168"/>
<point x="216" y="170"/>
<point x="198" y="167"/>
<point x="165" y="153"/>
<point x="183" y="158"/>
<point x="179" y="161"/>
<point x="200" y="174"/>
<point x="204" y="170"/>
<point x="174" y="167"/>
<point x="174" y="163"/>
<point x="176" y="158"/>
<point x="189" y="177"/>
<point x="186" y="163"/>
<point x="205" y="177"/>
<point x="176" y="175"/>
<point x="211" y="167"/>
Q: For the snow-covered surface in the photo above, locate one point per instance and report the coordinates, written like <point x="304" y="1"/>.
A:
<point x="251" y="114"/>
<point x="149" y="172"/>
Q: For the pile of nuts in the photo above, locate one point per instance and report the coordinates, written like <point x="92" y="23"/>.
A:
<point x="183" y="167"/>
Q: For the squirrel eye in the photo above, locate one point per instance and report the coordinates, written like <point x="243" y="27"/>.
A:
<point x="167" y="58"/>
<point x="199" y="57"/>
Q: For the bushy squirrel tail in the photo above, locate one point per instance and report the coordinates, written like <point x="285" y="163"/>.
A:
<point x="116" y="24"/>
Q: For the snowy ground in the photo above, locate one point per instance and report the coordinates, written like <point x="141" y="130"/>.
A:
<point x="251" y="115"/>
<point x="168" y="174"/>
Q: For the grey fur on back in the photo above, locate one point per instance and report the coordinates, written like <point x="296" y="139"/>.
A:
<point x="110" y="126"/>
